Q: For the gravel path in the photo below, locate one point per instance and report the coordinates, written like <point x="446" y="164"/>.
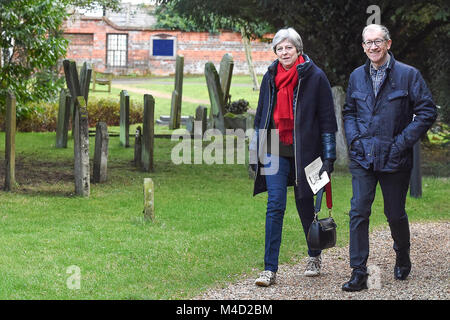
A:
<point x="429" y="277"/>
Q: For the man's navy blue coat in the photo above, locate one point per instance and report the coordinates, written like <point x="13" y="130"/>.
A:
<point x="314" y="115"/>
<point x="382" y="130"/>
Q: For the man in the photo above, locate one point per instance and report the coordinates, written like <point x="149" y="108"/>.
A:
<point x="388" y="109"/>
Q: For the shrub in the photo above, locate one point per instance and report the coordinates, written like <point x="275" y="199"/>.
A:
<point x="108" y="111"/>
<point x="237" y="107"/>
<point x="42" y="116"/>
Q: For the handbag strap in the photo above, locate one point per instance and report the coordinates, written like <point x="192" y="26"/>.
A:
<point x="319" y="196"/>
<point x="329" y="195"/>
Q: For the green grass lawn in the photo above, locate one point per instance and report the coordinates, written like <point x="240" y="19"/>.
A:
<point x="196" y="88"/>
<point x="209" y="230"/>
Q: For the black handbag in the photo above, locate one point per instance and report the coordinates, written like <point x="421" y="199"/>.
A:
<point x="322" y="232"/>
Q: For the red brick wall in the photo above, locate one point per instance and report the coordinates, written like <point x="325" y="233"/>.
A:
<point x="88" y="43"/>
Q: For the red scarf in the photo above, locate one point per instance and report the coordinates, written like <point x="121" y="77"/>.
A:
<point x="283" y="115"/>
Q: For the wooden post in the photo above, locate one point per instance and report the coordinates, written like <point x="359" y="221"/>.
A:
<point x="124" y="137"/>
<point x="10" y="143"/>
<point x="225" y="75"/>
<point x="81" y="148"/>
<point x="175" y="114"/>
<point x="85" y="80"/>
<point x="148" y="133"/>
<point x="149" y="204"/>
<point x="79" y="90"/>
<point x="101" y="153"/>
<point x="62" y="127"/>
<point x="71" y="73"/>
<point x="201" y="114"/>
<point x="215" y="97"/>
<point x="174" y="122"/>
<point x="415" y="190"/>
<point x="138" y="147"/>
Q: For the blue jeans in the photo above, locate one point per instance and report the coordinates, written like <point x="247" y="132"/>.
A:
<point x="394" y="187"/>
<point x="276" y="206"/>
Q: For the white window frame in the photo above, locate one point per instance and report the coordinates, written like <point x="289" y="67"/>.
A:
<point x="116" y="57"/>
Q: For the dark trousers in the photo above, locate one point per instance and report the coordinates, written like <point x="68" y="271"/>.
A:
<point x="394" y="187"/>
<point x="277" y="182"/>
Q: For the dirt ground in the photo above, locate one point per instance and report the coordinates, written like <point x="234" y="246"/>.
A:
<point x="32" y="171"/>
<point x="31" y="174"/>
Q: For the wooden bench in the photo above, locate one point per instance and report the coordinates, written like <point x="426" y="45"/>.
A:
<point x="102" y="78"/>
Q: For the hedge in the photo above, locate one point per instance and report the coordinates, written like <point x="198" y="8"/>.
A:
<point x="41" y="117"/>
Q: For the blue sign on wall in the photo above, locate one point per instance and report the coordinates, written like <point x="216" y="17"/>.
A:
<point x="163" y="47"/>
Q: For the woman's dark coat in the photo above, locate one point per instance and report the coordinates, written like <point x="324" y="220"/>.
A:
<point x="313" y="116"/>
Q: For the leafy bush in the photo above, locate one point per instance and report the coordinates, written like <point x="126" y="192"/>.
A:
<point x="108" y="111"/>
<point x="40" y="117"/>
<point x="237" y="107"/>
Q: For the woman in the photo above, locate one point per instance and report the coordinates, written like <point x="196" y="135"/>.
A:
<point x="295" y="99"/>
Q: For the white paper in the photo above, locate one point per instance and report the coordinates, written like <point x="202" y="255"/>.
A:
<point x="312" y="175"/>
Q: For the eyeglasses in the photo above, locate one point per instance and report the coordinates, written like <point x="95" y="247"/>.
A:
<point x="369" y="43"/>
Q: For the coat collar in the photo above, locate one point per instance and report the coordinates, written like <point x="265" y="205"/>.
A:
<point x="389" y="78"/>
<point x="389" y="67"/>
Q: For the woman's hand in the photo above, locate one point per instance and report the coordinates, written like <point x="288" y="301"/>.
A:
<point x="328" y="166"/>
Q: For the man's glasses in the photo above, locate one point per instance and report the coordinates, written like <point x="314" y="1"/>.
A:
<point x="377" y="43"/>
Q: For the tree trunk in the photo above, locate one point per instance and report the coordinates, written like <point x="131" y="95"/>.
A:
<point x="341" y="144"/>
<point x="248" y="55"/>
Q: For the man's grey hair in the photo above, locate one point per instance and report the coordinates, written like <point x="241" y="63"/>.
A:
<point x="377" y="27"/>
<point x="288" y="34"/>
